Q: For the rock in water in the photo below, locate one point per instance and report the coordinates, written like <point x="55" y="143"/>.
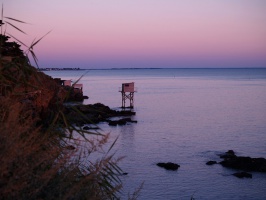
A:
<point x="243" y="175"/>
<point x="211" y="162"/>
<point x="228" y="154"/>
<point x="245" y="163"/>
<point x="169" y="166"/>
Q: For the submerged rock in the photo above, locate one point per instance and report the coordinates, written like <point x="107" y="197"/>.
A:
<point x="242" y="175"/>
<point x="211" y="162"/>
<point x="169" y="166"/>
<point x="121" y="121"/>
<point x="230" y="160"/>
<point x="243" y="162"/>
<point x="228" y="154"/>
<point x="90" y="128"/>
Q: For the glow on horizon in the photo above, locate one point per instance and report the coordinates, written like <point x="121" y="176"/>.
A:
<point x="150" y="33"/>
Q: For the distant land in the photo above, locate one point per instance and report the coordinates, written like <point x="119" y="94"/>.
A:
<point x="77" y="68"/>
<point x="58" y="69"/>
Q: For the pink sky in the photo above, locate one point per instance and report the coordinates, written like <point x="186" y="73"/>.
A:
<point x="144" y="33"/>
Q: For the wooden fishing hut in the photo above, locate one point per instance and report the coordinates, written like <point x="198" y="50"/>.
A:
<point x="67" y="83"/>
<point x="63" y="82"/>
<point x="78" y="87"/>
<point x="127" y="90"/>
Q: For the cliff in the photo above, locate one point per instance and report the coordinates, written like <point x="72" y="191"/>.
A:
<point x="36" y="161"/>
<point x="24" y="84"/>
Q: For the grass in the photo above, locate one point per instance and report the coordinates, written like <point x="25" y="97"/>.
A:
<point x="37" y="160"/>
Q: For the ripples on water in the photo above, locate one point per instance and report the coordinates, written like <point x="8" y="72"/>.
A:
<point x="188" y="117"/>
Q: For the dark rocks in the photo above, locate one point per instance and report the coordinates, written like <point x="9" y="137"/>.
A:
<point x="169" y="166"/>
<point x="211" y="162"/>
<point x="245" y="163"/>
<point x="112" y="123"/>
<point x="74" y="94"/>
<point x="242" y="175"/>
<point x="121" y="121"/>
<point x="230" y="160"/>
<point x="125" y="113"/>
<point x="95" y="113"/>
<point x="228" y="154"/>
<point x="90" y="128"/>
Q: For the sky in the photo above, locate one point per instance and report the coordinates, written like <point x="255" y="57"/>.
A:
<point x="143" y="33"/>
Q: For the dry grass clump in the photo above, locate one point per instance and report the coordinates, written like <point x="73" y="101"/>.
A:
<point x="38" y="159"/>
<point x="38" y="164"/>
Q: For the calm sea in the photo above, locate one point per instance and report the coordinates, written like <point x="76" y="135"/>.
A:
<point x="186" y="116"/>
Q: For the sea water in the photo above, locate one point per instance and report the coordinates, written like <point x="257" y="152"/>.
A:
<point x="185" y="116"/>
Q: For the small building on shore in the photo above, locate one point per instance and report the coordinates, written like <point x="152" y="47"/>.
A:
<point x="75" y="90"/>
<point x="67" y="83"/>
<point x="128" y="87"/>
<point x="127" y="90"/>
<point x="78" y="87"/>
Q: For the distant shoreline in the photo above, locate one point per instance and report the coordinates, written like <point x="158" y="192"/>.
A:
<point x="58" y="69"/>
<point x="76" y="69"/>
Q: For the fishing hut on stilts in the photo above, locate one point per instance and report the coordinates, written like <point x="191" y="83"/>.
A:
<point x="127" y="90"/>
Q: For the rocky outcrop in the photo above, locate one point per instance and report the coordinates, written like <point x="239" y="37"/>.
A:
<point x="43" y="97"/>
<point x="36" y="92"/>
<point x="211" y="162"/>
<point x="231" y="160"/>
<point x="74" y="95"/>
<point x="228" y="154"/>
<point x="122" y="121"/>
<point x="245" y="163"/>
<point x="169" y="166"/>
<point x="95" y="113"/>
<point x="90" y="128"/>
<point x="242" y="175"/>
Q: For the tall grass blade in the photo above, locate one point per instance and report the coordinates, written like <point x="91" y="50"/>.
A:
<point x="111" y="175"/>
<point x="80" y="77"/>
<point x="35" y="130"/>
<point x="112" y="144"/>
<point x="2" y="12"/>
<point x="116" y="168"/>
<point x="16" y="28"/>
<point x="136" y="193"/>
<point x="15" y="20"/>
<point x="17" y="40"/>
<point x="39" y="40"/>
<point x="34" y="58"/>
<point x="4" y="30"/>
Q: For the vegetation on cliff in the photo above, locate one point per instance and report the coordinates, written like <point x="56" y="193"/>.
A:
<point x="38" y="159"/>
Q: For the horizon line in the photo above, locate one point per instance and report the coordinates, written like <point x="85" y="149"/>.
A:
<point x="140" y="68"/>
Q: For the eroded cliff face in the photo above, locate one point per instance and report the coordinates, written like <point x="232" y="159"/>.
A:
<point x="33" y="90"/>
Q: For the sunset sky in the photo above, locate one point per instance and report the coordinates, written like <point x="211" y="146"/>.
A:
<point x="143" y="33"/>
